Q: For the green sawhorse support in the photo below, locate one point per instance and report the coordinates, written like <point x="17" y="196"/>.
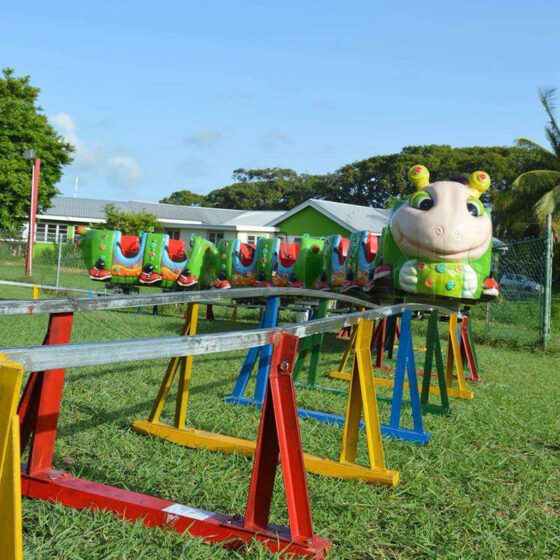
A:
<point x="433" y="349"/>
<point x="312" y="345"/>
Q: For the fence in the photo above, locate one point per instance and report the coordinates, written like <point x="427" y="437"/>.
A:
<point x="521" y="315"/>
<point x="55" y="264"/>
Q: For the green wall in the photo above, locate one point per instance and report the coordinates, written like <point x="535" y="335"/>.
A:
<point x="308" y="220"/>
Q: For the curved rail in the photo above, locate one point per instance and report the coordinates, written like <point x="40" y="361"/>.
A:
<point x="40" y="358"/>
<point x="68" y="305"/>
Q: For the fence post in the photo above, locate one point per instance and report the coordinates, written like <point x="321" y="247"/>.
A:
<point x="547" y="283"/>
<point x="58" y="263"/>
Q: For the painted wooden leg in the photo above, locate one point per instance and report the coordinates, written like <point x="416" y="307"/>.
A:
<point x="11" y="376"/>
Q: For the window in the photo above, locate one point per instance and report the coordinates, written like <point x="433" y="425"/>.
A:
<point x="252" y="239"/>
<point x="173" y="233"/>
<point x="51" y="233"/>
<point x="215" y="236"/>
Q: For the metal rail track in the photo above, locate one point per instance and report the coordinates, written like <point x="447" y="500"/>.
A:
<point x="40" y="358"/>
<point x="68" y="305"/>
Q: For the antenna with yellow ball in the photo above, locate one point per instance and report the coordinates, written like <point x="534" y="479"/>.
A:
<point x="419" y="176"/>
<point x="479" y="182"/>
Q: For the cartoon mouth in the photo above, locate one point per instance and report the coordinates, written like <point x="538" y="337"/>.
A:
<point x="400" y="238"/>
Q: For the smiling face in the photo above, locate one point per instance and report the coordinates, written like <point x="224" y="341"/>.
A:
<point x="442" y="222"/>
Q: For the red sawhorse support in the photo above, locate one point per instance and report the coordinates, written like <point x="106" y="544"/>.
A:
<point x="378" y="344"/>
<point x="39" y="406"/>
<point x="467" y="352"/>
<point x="279" y="435"/>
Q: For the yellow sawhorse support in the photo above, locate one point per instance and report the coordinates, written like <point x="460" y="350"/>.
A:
<point x="184" y="364"/>
<point x="454" y="360"/>
<point x="11" y="375"/>
<point x="341" y="372"/>
<point x="361" y="396"/>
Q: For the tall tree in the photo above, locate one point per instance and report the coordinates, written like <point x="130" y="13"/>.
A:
<point x="373" y="181"/>
<point x="265" y="189"/>
<point x="24" y="125"/>
<point x="185" y="198"/>
<point x="538" y="189"/>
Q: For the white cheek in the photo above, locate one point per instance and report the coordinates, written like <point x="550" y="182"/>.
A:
<point x="458" y="232"/>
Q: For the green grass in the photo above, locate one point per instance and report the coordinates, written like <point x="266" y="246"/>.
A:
<point x="487" y="485"/>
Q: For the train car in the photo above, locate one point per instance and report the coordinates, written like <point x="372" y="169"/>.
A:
<point x="147" y="259"/>
<point x="438" y="244"/>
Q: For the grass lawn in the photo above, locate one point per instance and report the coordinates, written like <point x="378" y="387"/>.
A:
<point x="487" y="485"/>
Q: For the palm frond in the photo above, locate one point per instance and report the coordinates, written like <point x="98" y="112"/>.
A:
<point x="537" y="182"/>
<point x="549" y="203"/>
<point x="554" y="139"/>
<point x="549" y="158"/>
<point x="533" y="146"/>
<point x="547" y="97"/>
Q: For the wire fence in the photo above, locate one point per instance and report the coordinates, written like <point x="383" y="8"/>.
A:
<point x="54" y="264"/>
<point x="517" y="317"/>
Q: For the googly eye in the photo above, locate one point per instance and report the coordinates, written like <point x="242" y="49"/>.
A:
<point x="421" y="200"/>
<point x="474" y="206"/>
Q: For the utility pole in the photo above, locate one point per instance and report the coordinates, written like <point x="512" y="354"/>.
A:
<point x="76" y="187"/>
<point x="30" y="154"/>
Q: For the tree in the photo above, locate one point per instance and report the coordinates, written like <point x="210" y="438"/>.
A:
<point x="129" y="223"/>
<point x="373" y="181"/>
<point x="272" y="188"/>
<point x="537" y="189"/>
<point x="184" y="197"/>
<point x="24" y="125"/>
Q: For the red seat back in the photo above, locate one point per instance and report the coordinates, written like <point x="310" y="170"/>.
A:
<point x="371" y="247"/>
<point x="246" y="254"/>
<point x="176" y="250"/>
<point x="288" y="254"/>
<point x="343" y="249"/>
<point x="130" y="245"/>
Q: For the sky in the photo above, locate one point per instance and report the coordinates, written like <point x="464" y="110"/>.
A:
<point x="162" y="96"/>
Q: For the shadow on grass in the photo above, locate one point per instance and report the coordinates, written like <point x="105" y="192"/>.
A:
<point x="97" y="419"/>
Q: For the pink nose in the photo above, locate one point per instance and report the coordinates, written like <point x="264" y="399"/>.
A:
<point x="439" y="230"/>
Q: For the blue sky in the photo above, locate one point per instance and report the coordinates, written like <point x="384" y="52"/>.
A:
<point x="159" y="96"/>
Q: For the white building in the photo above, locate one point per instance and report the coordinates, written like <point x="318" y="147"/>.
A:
<point x="59" y="221"/>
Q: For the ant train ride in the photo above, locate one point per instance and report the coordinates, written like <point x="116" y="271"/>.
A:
<point x="438" y="243"/>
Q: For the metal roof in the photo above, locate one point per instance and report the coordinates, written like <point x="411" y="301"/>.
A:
<point x="94" y="209"/>
<point x="349" y="216"/>
<point x="256" y="217"/>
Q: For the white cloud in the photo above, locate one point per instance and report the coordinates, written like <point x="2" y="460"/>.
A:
<point x="192" y="166"/>
<point x="203" y="140"/>
<point x="125" y="169"/>
<point x="66" y="125"/>
<point x="94" y="159"/>
<point x="272" y="138"/>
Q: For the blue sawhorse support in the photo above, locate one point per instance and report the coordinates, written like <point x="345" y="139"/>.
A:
<point x="264" y="353"/>
<point x="405" y="361"/>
